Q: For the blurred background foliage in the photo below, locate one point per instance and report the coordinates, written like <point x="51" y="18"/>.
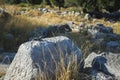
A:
<point x="86" y="5"/>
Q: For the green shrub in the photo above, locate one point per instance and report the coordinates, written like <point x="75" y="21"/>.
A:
<point x="34" y="1"/>
<point x="98" y="5"/>
<point x="22" y="5"/>
<point x="69" y="3"/>
<point x="59" y="3"/>
<point x="88" y="5"/>
<point x="13" y="1"/>
<point x="46" y="2"/>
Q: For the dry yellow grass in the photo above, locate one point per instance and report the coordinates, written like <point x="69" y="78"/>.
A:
<point x="23" y="24"/>
<point x="11" y="9"/>
<point x="35" y="18"/>
<point x="3" y="69"/>
<point x="20" y="22"/>
<point x="115" y="26"/>
<point x="63" y="71"/>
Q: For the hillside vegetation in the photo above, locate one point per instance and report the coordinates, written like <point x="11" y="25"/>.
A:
<point x="21" y="25"/>
<point x="87" y="5"/>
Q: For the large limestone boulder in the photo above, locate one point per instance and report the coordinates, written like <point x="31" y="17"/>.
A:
<point x="37" y="57"/>
<point x="104" y="64"/>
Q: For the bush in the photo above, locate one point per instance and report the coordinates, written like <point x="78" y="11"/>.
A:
<point x="46" y="2"/>
<point x="59" y="3"/>
<point x="69" y="3"/>
<point x="87" y="5"/>
<point x="13" y="1"/>
<point x="98" y="5"/>
<point x="34" y="1"/>
<point x="23" y="5"/>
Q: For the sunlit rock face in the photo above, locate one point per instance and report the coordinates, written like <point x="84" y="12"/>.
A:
<point x="35" y="57"/>
<point x="104" y="66"/>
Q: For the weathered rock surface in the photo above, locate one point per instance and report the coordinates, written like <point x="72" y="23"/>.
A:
<point x="97" y="75"/>
<point x="113" y="46"/>
<point x="87" y="17"/>
<point x="104" y="65"/>
<point x="34" y="57"/>
<point x="105" y="38"/>
<point x="89" y="59"/>
<point x="53" y="30"/>
<point x="73" y="26"/>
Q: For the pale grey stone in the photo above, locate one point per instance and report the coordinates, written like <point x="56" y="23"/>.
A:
<point x="104" y="65"/>
<point x="34" y="57"/>
<point x="77" y="13"/>
<point x="87" y="17"/>
<point x="97" y="75"/>
<point x="2" y="10"/>
<point x="89" y="59"/>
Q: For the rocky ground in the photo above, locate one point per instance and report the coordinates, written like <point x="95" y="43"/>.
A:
<point x="95" y="47"/>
